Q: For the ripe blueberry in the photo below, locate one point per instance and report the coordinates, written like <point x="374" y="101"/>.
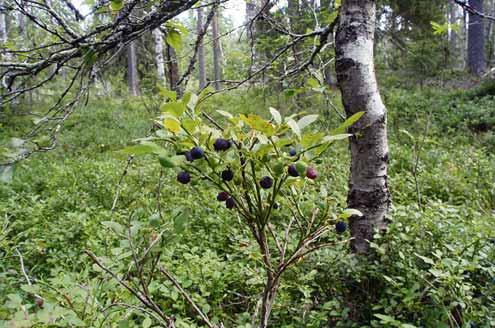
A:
<point x="292" y="151"/>
<point x="293" y="171"/>
<point x="276" y="206"/>
<point x="311" y="173"/>
<point x="188" y="156"/>
<point x="222" y="196"/>
<point x="227" y="175"/>
<point x="221" y="144"/>
<point x="184" y="177"/>
<point x="340" y="227"/>
<point x="266" y="182"/>
<point x="197" y="153"/>
<point x="230" y="203"/>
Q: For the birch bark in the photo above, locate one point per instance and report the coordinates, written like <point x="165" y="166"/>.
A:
<point x="160" y="61"/>
<point x="368" y="190"/>
<point x="132" y="73"/>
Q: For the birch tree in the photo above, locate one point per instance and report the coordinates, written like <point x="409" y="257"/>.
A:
<point x="160" y="62"/>
<point x="368" y="190"/>
<point x="132" y="73"/>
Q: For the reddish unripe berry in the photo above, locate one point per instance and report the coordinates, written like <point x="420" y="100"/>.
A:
<point x="311" y="173"/>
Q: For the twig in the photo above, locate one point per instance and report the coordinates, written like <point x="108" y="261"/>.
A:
<point x="187" y="297"/>
<point x="117" y="193"/>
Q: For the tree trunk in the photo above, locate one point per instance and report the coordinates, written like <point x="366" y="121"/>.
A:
<point x="217" y="52"/>
<point x="489" y="32"/>
<point x="201" y="52"/>
<point x="3" y="25"/>
<point x="476" y="40"/>
<point x="22" y="21"/>
<point x="453" y="37"/>
<point x="132" y="73"/>
<point x="251" y="33"/>
<point x="173" y="71"/>
<point x="160" y="61"/>
<point x="368" y="190"/>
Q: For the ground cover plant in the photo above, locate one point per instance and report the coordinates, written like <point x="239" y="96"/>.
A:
<point x="247" y="164"/>
<point x="434" y="259"/>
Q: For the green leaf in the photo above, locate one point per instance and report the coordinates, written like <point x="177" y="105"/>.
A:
<point x="385" y="318"/>
<point x="116" y="5"/>
<point x="336" y="137"/>
<point x="349" y="122"/>
<point x="174" y="39"/>
<point x="147" y="323"/>
<point x="294" y="127"/>
<point x="313" y="83"/>
<point x="166" y="162"/>
<point x="174" y="108"/>
<point x="276" y="115"/>
<point x="172" y="125"/>
<point x="226" y="114"/>
<point x="255" y="122"/>
<point x="167" y="94"/>
<point x="425" y="259"/>
<point x="350" y="212"/>
<point x="191" y="100"/>
<point x="144" y="148"/>
<point x="118" y="228"/>
<point x="306" y="120"/>
<point x="190" y="125"/>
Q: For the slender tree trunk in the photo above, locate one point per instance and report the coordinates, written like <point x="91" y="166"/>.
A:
<point x="4" y="38"/>
<point x="201" y="52"/>
<point x="173" y="71"/>
<point x="160" y="61"/>
<point x="217" y="51"/>
<point x="132" y="73"/>
<point x="251" y="33"/>
<point x="22" y="20"/>
<point x="368" y="190"/>
<point x="476" y="40"/>
<point x="3" y="25"/>
<point x="453" y="37"/>
<point x="489" y="32"/>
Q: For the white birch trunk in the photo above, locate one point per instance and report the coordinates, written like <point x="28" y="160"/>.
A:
<point x="132" y="74"/>
<point x="368" y="190"/>
<point x="159" y="59"/>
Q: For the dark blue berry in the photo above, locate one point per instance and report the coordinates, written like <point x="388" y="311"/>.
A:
<point x="227" y="175"/>
<point x="221" y="144"/>
<point x="340" y="227"/>
<point x="230" y="203"/>
<point x="188" y="156"/>
<point x="197" y="153"/>
<point x="184" y="177"/>
<point x="293" y="171"/>
<point x="222" y="196"/>
<point x="266" y="182"/>
<point x="276" y="206"/>
<point x="292" y="151"/>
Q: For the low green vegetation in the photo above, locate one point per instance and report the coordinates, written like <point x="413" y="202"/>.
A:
<point x="435" y="264"/>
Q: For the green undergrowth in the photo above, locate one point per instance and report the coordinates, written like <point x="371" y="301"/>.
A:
<point x="437" y="258"/>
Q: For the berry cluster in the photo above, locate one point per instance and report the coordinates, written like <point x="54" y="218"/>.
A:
<point x="296" y="170"/>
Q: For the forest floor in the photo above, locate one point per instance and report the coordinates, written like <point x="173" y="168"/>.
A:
<point x="438" y="256"/>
